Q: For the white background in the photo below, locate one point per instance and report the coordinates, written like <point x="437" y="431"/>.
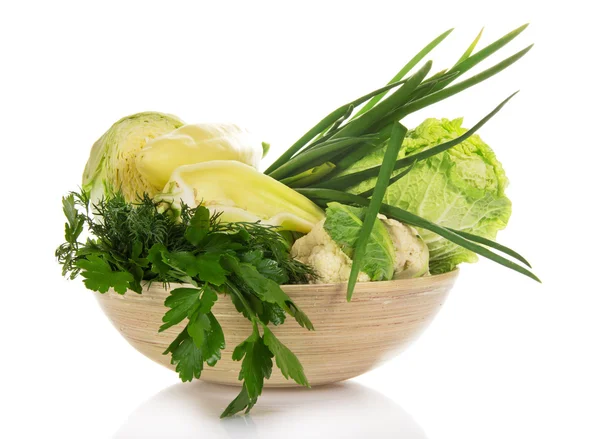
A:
<point x="506" y="357"/>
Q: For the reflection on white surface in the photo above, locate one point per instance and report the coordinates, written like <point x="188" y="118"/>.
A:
<point x="347" y="410"/>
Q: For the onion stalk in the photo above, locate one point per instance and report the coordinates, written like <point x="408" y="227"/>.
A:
<point x="348" y="134"/>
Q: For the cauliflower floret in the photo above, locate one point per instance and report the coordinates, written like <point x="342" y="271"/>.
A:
<point x="412" y="253"/>
<point x="318" y="250"/>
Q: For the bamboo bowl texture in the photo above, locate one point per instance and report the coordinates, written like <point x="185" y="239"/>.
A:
<point x="349" y="338"/>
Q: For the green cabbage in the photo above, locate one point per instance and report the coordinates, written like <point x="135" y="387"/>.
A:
<point x="112" y="163"/>
<point x="462" y="188"/>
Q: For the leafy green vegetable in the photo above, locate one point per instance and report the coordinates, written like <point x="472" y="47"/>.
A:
<point x="199" y="226"/>
<point x="186" y="357"/>
<point x="343" y="223"/>
<point x="241" y="402"/>
<point x="183" y="302"/>
<point x="340" y="114"/>
<point x="470" y="49"/>
<point x="286" y="361"/>
<point x="256" y="354"/>
<point x="462" y="188"/>
<point x="146" y="242"/>
<point x="379" y="115"/>
<point x="266" y="289"/>
<point x="406" y="69"/>
<point x="256" y="365"/>
<point x="349" y="176"/>
<point x="99" y="276"/>
<point x="310" y="176"/>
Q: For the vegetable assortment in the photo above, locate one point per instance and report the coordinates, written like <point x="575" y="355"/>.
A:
<point x="359" y="197"/>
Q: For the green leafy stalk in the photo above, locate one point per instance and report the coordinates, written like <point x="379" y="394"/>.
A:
<point x="315" y="156"/>
<point x="378" y="116"/>
<point x="457" y="88"/>
<point x="325" y="124"/>
<point x="492" y="244"/>
<point x="350" y="180"/>
<point x="256" y="353"/>
<point x="405" y="70"/>
<point x="471" y="61"/>
<point x="397" y="99"/>
<point x="470" y="49"/>
<point x="310" y="176"/>
<point x="387" y="167"/>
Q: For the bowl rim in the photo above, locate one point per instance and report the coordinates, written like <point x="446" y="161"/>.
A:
<point x="416" y="282"/>
<point x="404" y="284"/>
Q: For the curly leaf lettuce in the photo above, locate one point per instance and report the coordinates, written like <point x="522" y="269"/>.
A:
<point x="462" y="188"/>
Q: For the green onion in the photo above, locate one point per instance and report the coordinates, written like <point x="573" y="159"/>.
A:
<point x="404" y="70"/>
<point x="387" y="167"/>
<point x="310" y="176"/>
<point x="380" y="117"/>
<point x="324" y="124"/>
<point x="490" y="243"/>
<point x="353" y="179"/>
<point x="470" y="49"/>
<point x="490" y="49"/>
<point x="315" y="156"/>
<point x="445" y="93"/>
<point x="395" y="100"/>
<point x="461" y="86"/>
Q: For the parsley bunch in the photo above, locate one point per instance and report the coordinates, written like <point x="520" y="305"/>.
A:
<point x="134" y="244"/>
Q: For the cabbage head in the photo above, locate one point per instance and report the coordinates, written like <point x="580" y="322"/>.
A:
<point x="462" y="188"/>
<point x="112" y="163"/>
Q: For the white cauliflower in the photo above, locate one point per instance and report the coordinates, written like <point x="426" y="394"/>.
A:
<point x="331" y="265"/>
<point x="412" y="254"/>
<point x="318" y="250"/>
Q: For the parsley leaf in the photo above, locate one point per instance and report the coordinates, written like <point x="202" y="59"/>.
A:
<point x="186" y="357"/>
<point x="199" y="226"/>
<point x="268" y="290"/>
<point x="241" y="402"/>
<point x="256" y="363"/>
<point x="183" y="302"/>
<point x="197" y="327"/>
<point x="265" y="266"/>
<point x="286" y="361"/>
<point x="155" y="256"/>
<point x="184" y="261"/>
<point x="100" y="277"/>
<point x="214" y="341"/>
<point x="210" y="270"/>
<point x="203" y="328"/>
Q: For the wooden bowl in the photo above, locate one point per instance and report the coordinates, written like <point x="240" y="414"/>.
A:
<point x="349" y="338"/>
